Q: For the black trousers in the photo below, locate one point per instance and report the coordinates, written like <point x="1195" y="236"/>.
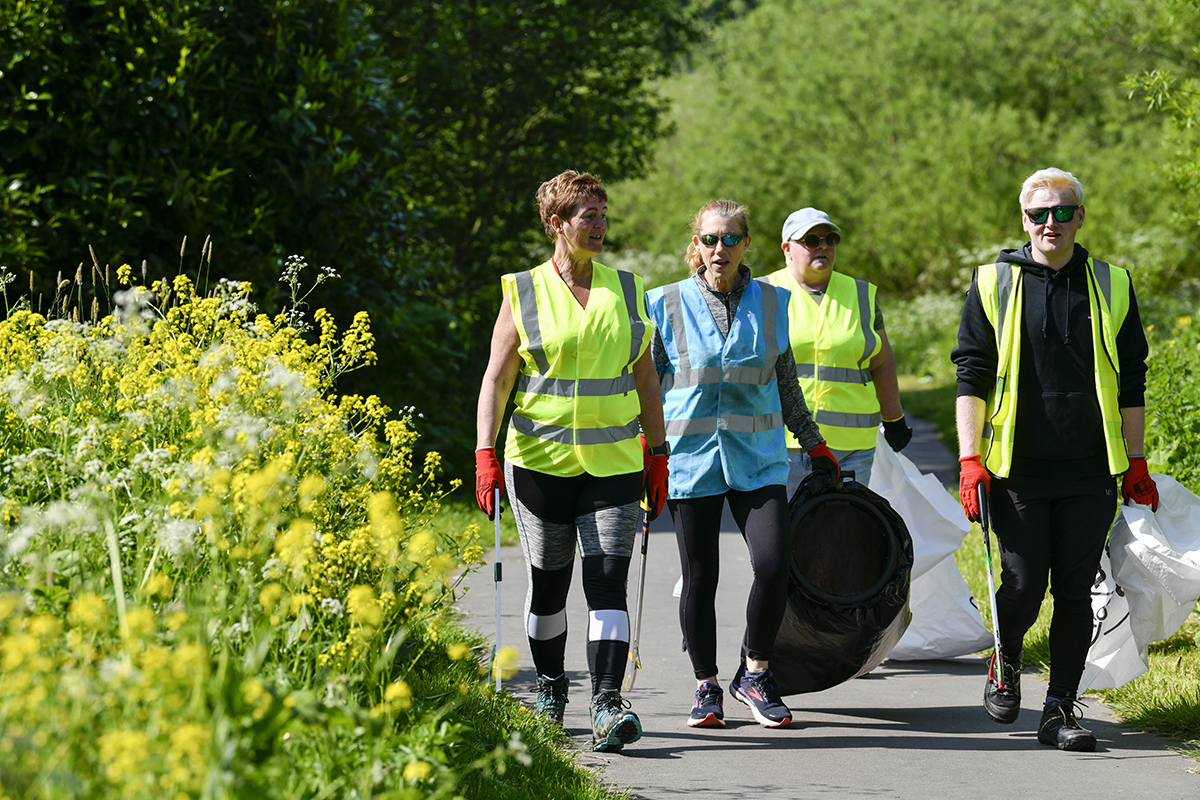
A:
<point x="762" y="515"/>
<point x="1051" y="532"/>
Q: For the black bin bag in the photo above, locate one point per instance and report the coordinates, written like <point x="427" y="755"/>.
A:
<point x="847" y="604"/>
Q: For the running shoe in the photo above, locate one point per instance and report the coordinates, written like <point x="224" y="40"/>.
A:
<point x="757" y="690"/>
<point x="1003" y="705"/>
<point x="1060" y="727"/>
<point x="613" y="724"/>
<point x="708" y="709"/>
<point x="552" y="697"/>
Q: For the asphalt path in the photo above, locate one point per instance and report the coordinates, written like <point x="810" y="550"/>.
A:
<point x="907" y="730"/>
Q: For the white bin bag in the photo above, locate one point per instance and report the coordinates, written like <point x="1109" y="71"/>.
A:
<point x="1147" y="585"/>
<point x="945" y="622"/>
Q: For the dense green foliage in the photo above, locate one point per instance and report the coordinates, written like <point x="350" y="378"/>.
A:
<point x="1173" y="399"/>
<point x="263" y="125"/>
<point x="1167" y="77"/>
<point x="399" y="143"/>
<point x="913" y="124"/>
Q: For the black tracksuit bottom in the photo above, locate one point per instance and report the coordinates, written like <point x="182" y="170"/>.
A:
<point x="1051" y="530"/>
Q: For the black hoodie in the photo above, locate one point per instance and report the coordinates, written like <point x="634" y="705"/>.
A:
<point x="1058" y="430"/>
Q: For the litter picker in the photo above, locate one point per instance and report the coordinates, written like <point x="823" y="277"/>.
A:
<point x="997" y="662"/>
<point x="498" y="576"/>
<point x="641" y="593"/>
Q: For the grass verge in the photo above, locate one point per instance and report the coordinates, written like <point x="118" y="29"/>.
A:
<point x="460" y="510"/>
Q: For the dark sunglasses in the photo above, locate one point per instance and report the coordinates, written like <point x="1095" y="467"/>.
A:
<point x="1038" y="216"/>
<point x="727" y="239"/>
<point x="812" y="241"/>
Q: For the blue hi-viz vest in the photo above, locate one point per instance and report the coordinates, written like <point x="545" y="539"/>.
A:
<point x="720" y="397"/>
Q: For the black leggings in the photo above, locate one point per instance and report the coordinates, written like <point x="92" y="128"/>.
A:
<point x="1051" y="531"/>
<point x="762" y="515"/>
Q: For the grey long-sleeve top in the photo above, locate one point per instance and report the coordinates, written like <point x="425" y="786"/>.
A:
<point x="723" y="306"/>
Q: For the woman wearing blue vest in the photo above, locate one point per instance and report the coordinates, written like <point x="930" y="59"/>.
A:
<point x="573" y="337"/>
<point x="729" y="387"/>
<point x="843" y="359"/>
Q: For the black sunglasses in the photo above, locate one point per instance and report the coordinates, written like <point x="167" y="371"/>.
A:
<point x="812" y="241"/>
<point x="1061" y="214"/>
<point x="728" y="239"/>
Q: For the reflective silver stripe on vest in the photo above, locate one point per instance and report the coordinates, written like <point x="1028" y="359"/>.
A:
<point x="610" y="435"/>
<point x="1004" y="285"/>
<point x="770" y="302"/>
<point x="686" y="376"/>
<point x="864" y="318"/>
<point x="584" y="387"/>
<point x="551" y="433"/>
<point x="693" y="377"/>
<point x="738" y="423"/>
<point x="637" y="326"/>
<point x="844" y="420"/>
<point x="563" y="435"/>
<point x="527" y="299"/>
<point x="673" y="305"/>
<point x="1104" y="280"/>
<point x="834" y="374"/>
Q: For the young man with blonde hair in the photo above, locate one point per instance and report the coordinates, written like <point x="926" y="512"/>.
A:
<point x="1051" y="363"/>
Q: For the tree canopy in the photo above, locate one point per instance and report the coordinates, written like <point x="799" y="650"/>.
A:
<point x="913" y="124"/>
<point x="398" y="142"/>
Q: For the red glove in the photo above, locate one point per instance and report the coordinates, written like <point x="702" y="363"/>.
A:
<point x="1138" y="486"/>
<point x="654" y="480"/>
<point x="828" y="475"/>
<point x="971" y="474"/>
<point x="488" y="476"/>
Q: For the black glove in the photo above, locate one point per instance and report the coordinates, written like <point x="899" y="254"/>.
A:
<point x="897" y="433"/>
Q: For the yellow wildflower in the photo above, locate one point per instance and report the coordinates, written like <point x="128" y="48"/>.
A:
<point x="417" y="771"/>
<point x="312" y="487"/>
<point x="270" y="595"/>
<point x="363" y="607"/>
<point x="159" y="585"/>
<point x="141" y="622"/>
<point x="89" y="611"/>
<point x="505" y="663"/>
<point x="398" y="694"/>
<point x="298" y="602"/>
<point x="458" y="651"/>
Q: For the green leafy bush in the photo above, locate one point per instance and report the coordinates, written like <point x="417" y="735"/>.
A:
<point x="1173" y="399"/>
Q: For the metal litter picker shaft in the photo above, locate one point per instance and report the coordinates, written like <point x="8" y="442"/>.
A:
<point x="498" y="576"/>
<point x="634" y="656"/>
<point x="998" y="662"/>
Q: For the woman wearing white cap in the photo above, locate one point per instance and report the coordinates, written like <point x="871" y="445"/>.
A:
<point x="844" y="362"/>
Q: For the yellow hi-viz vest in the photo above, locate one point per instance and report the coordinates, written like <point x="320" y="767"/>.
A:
<point x="576" y="400"/>
<point x="833" y="343"/>
<point x="1000" y="291"/>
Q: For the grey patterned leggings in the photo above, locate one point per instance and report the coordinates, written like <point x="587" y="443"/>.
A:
<point x="599" y="517"/>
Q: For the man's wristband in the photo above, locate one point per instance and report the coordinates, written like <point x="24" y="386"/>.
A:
<point x="663" y="449"/>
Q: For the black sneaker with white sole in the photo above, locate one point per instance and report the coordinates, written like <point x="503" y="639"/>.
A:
<point x="757" y="690"/>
